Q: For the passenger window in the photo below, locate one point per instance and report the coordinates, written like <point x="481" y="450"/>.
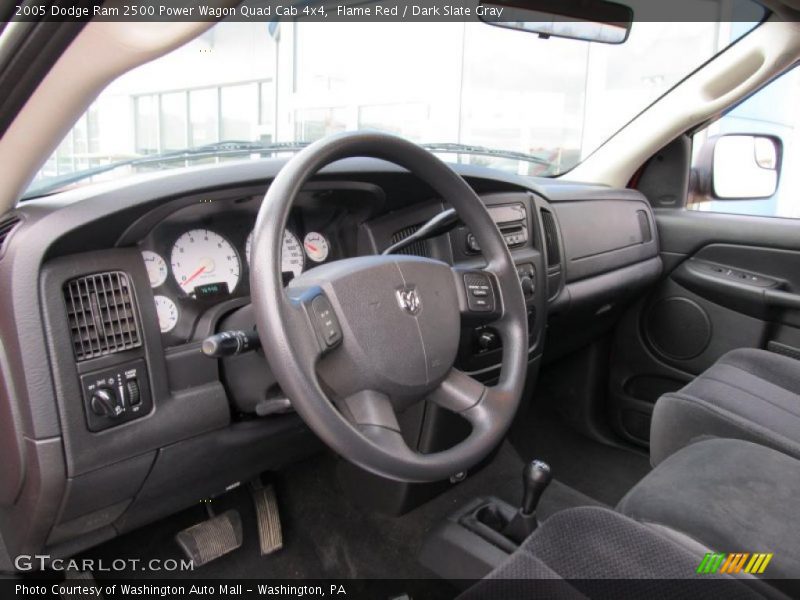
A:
<point x="748" y="162"/>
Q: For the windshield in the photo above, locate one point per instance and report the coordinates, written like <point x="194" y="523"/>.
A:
<point x="480" y="94"/>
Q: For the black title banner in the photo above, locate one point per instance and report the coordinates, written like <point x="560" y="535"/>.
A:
<point x="349" y="10"/>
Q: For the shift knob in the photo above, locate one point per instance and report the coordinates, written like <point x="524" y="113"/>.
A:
<point x="535" y="478"/>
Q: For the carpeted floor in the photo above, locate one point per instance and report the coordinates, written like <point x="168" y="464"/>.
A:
<point x="327" y="535"/>
<point x="602" y="472"/>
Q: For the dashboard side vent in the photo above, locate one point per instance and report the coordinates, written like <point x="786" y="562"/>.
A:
<point x="102" y="314"/>
<point x="7" y="226"/>
<point x="552" y="251"/>
<point x="418" y="248"/>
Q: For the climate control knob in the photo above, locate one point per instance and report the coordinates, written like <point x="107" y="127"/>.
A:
<point x="104" y="403"/>
<point x="527" y="284"/>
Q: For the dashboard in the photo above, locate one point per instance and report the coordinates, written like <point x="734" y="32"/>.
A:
<point x="157" y="263"/>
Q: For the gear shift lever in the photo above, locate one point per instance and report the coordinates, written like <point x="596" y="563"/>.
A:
<point x="535" y="478"/>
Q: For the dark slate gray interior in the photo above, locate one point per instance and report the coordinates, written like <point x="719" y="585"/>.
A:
<point x="620" y="335"/>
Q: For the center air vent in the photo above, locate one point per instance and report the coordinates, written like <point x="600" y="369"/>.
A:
<point x="551" y="240"/>
<point x="418" y="248"/>
<point x="102" y="315"/>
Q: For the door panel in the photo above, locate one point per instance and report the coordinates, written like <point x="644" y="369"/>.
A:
<point x="730" y="282"/>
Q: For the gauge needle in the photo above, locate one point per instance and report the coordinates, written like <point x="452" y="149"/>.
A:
<point x="195" y="274"/>
<point x="311" y="247"/>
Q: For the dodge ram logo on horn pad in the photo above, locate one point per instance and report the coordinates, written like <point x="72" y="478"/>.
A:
<point x="408" y="299"/>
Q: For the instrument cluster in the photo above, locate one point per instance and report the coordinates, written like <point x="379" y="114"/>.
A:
<point x="199" y="257"/>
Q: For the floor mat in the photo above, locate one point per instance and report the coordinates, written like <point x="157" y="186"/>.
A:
<point x="598" y="470"/>
<point x="328" y="536"/>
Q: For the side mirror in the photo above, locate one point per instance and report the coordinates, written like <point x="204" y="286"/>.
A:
<point x="740" y="166"/>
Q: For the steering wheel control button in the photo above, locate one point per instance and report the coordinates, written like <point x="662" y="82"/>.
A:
<point x="325" y="321"/>
<point x="116" y="395"/>
<point x="479" y="292"/>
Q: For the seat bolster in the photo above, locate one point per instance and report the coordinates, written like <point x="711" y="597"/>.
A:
<point x="680" y="420"/>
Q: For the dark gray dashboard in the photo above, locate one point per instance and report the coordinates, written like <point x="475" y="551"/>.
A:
<point x="66" y="486"/>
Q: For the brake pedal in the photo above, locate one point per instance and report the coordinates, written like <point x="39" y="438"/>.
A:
<point x="211" y="539"/>
<point x="270" y="535"/>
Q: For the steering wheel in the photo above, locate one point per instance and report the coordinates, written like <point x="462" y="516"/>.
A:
<point x="356" y="341"/>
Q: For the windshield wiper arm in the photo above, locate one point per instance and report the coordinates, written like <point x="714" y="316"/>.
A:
<point x="454" y="148"/>
<point x="224" y="148"/>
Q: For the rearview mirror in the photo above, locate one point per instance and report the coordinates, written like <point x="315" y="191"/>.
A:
<point x="588" y="20"/>
<point x="744" y="167"/>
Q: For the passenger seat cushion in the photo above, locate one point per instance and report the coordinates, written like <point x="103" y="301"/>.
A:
<point x="748" y="394"/>
<point x="729" y="495"/>
<point x="588" y="544"/>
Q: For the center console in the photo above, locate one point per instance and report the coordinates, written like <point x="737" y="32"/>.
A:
<point x="515" y="215"/>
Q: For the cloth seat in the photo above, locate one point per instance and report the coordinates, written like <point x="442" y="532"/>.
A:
<point x="747" y="394"/>
<point x="593" y="552"/>
<point x="729" y="495"/>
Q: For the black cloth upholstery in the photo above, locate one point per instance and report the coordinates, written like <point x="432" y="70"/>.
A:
<point x="747" y="394"/>
<point x="731" y="496"/>
<point x="592" y="552"/>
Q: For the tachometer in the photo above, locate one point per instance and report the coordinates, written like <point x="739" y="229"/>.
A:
<point x="316" y="246"/>
<point x="167" y="313"/>
<point x="292" y="255"/>
<point x="156" y="268"/>
<point x="202" y="257"/>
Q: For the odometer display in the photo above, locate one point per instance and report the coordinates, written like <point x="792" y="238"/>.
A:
<point x="201" y="257"/>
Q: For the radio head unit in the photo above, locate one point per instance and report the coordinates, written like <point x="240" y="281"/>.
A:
<point x="512" y="220"/>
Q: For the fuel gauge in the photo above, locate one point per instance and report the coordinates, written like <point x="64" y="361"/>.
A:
<point x="316" y="246"/>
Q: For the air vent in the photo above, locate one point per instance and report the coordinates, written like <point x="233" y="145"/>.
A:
<point x="644" y="226"/>
<point x="418" y="248"/>
<point x="6" y="227"/>
<point x="102" y="315"/>
<point x="551" y="240"/>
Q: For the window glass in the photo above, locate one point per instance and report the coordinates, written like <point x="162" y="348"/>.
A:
<point x="544" y="103"/>
<point x="146" y="109"/>
<point x="173" y="121"/>
<point x="316" y="123"/>
<point x="266" y="111"/>
<point x="407" y="119"/>
<point x="204" y="116"/>
<point x="239" y="111"/>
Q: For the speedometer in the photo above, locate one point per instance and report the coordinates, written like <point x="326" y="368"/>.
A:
<point x="292" y="255"/>
<point x="201" y="257"/>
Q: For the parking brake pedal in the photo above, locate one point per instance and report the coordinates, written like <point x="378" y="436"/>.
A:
<point x="270" y="535"/>
<point x="211" y="539"/>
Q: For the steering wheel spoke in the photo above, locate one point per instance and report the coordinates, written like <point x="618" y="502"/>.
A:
<point x="372" y="413"/>
<point x="479" y="296"/>
<point x="469" y="398"/>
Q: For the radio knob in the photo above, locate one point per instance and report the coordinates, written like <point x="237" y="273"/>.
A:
<point x="527" y="284"/>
